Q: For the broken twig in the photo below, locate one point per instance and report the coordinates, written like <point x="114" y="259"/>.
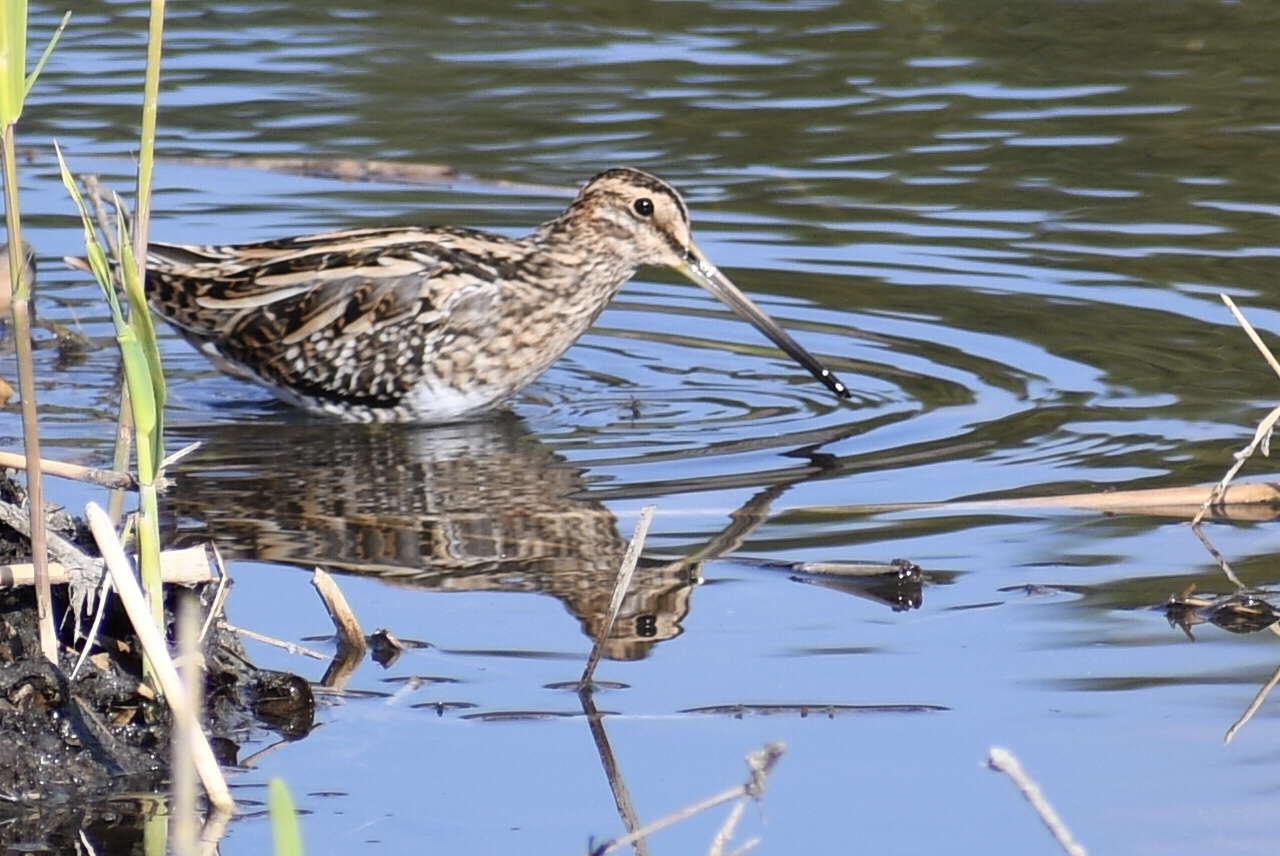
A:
<point x="344" y="618"/>
<point x="620" y="586"/>
<point x="1003" y="761"/>
<point x="90" y="475"/>
<point x="760" y="763"/>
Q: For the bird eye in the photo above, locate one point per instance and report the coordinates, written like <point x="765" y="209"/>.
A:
<point x="644" y="207"/>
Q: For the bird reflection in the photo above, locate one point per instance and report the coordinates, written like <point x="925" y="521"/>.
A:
<point x="480" y="506"/>
<point x="476" y="506"/>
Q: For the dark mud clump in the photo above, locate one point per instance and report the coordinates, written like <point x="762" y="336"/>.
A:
<point x="91" y="755"/>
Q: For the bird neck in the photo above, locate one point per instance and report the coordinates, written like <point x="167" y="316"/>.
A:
<point x="597" y="248"/>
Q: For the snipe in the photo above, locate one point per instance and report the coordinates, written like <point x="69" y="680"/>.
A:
<point x="429" y="325"/>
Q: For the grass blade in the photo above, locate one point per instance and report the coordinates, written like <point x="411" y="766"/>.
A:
<point x="13" y="60"/>
<point x="285" y="833"/>
<point x="44" y="57"/>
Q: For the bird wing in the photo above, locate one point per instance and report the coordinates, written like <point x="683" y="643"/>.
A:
<point x="349" y="317"/>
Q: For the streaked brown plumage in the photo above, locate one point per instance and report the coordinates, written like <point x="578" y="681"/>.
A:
<point x="432" y="324"/>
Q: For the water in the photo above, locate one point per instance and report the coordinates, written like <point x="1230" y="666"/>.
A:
<point x="1004" y="225"/>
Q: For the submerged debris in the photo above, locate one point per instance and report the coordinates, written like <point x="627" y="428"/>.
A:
<point x="830" y="711"/>
<point x="898" y="584"/>
<point x="1236" y="613"/>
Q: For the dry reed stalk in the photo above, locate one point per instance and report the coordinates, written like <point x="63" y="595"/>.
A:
<point x="153" y="645"/>
<point x="291" y="647"/>
<point x="351" y="642"/>
<point x="620" y="586"/>
<point x="1257" y="699"/>
<point x="185" y="567"/>
<point x="621" y="794"/>
<point x="1261" y="436"/>
<point x="344" y="618"/>
<point x="1252" y="334"/>
<point x="725" y="834"/>
<point x="219" y="599"/>
<point x="1002" y="760"/>
<point x="1253" y="705"/>
<point x="183" y="825"/>
<point x="90" y="475"/>
<point x="15" y="83"/>
<point x="1264" y="497"/>
<point x="21" y="312"/>
<point x="1217" y="557"/>
<point x="760" y="763"/>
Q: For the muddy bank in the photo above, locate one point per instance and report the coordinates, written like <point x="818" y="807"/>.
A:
<point x="91" y="753"/>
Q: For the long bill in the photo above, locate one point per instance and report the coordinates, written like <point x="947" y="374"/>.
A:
<point x="704" y="273"/>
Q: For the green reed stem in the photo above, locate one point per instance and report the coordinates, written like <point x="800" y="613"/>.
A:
<point x="150" y="448"/>
<point x="147" y="150"/>
<point x="123" y="454"/>
<point x="286" y="835"/>
<point x="135" y="332"/>
<point x="155" y="834"/>
<point x="149" y="549"/>
<point x="145" y="380"/>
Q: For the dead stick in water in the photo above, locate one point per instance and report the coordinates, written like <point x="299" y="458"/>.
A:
<point x="1168" y="502"/>
<point x="344" y="618"/>
<point x="761" y="764"/>
<point x="351" y="642"/>
<point x="620" y="587"/>
<point x="1252" y="334"/>
<point x="1003" y="761"/>
<point x="219" y="598"/>
<point x="291" y="647"/>
<point x="1262" y="436"/>
<point x="1257" y="701"/>
<point x="186" y="567"/>
<point x="91" y="475"/>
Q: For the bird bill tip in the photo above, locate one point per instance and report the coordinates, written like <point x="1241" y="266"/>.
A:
<point x="698" y="268"/>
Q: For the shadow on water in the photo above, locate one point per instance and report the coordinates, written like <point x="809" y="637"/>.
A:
<point x="481" y="506"/>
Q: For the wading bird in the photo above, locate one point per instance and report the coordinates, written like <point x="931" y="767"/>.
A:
<point x="432" y="324"/>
